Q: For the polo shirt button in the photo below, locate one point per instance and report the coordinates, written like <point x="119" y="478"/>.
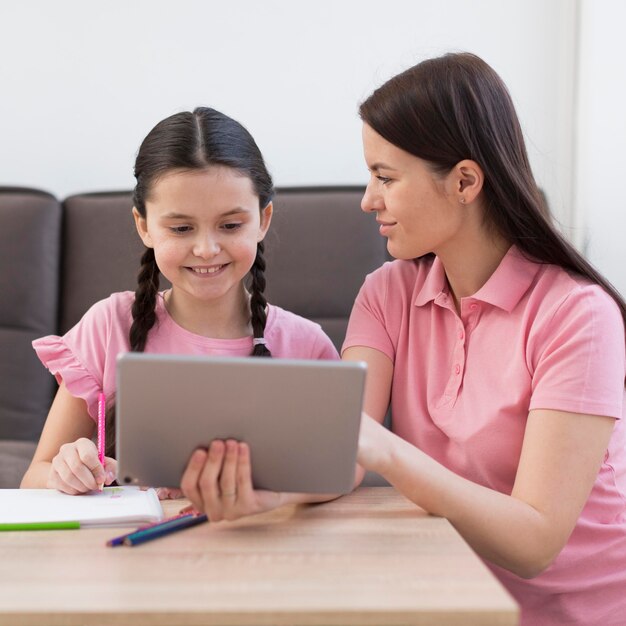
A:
<point x="473" y="306"/>
<point x="461" y="334"/>
<point x="457" y="369"/>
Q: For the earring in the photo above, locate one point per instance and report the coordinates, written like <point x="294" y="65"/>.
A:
<point x="462" y="200"/>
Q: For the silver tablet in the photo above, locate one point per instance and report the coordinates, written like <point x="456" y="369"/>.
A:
<point x="301" y="418"/>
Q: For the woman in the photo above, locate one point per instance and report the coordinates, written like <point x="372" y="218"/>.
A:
<point x="500" y="349"/>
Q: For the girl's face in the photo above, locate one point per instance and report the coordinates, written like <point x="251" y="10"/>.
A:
<point x="204" y="226"/>
<point x="418" y="211"/>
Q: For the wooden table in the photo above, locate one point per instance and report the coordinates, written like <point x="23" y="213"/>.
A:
<point x="368" y="558"/>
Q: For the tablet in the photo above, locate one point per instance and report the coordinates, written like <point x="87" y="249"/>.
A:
<point x="300" y="418"/>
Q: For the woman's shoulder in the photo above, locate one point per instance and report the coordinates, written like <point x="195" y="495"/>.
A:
<point x="558" y="287"/>
<point x="561" y="299"/>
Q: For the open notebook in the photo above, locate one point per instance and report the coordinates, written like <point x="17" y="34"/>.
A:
<point x="115" y="506"/>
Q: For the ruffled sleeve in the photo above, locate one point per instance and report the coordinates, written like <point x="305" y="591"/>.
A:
<point x="85" y="357"/>
<point x="65" y="366"/>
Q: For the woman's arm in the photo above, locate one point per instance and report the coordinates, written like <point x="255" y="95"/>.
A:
<point x="377" y="388"/>
<point x="66" y="458"/>
<point x="522" y="532"/>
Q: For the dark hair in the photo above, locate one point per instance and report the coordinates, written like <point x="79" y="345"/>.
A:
<point x="456" y="107"/>
<point x="194" y="141"/>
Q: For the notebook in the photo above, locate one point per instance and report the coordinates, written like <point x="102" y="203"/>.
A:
<point x="301" y="418"/>
<point x="114" y="506"/>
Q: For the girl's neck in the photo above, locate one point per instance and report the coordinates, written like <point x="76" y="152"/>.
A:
<point x="227" y="318"/>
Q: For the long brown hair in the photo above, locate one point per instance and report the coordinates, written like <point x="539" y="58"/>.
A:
<point x="456" y="107"/>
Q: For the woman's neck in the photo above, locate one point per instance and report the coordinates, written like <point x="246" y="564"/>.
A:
<point x="226" y="318"/>
<point x="470" y="264"/>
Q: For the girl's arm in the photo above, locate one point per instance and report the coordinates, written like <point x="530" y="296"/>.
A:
<point x="66" y="458"/>
<point x="522" y="532"/>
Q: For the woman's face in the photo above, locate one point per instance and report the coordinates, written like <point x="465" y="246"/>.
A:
<point x="417" y="210"/>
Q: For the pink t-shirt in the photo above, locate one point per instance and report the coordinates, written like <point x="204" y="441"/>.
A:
<point x="532" y="337"/>
<point x="85" y="357"/>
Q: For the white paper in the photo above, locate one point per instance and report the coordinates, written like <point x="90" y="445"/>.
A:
<point x="113" y="506"/>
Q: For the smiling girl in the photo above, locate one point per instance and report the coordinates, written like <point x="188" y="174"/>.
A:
<point x="202" y="207"/>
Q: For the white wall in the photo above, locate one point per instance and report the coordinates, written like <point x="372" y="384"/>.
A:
<point x="82" y="83"/>
<point x="600" y="195"/>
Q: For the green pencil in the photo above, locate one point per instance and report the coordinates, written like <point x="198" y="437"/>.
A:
<point x="40" y="526"/>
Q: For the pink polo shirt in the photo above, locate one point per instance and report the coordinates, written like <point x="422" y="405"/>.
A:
<point x="532" y="337"/>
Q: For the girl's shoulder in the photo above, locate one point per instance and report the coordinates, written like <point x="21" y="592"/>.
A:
<point x="290" y="335"/>
<point x="280" y="320"/>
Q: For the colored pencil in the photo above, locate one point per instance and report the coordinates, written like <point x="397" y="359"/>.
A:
<point x="119" y="541"/>
<point x="101" y="433"/>
<point x="159" y="530"/>
<point x="40" y="526"/>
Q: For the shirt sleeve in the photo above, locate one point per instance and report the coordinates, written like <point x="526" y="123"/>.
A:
<point x="369" y="320"/>
<point x="78" y="357"/>
<point x="324" y="348"/>
<point x="579" y="356"/>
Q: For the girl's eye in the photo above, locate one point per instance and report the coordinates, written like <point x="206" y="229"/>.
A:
<point x="231" y="226"/>
<point x="383" y="179"/>
<point x="180" y="230"/>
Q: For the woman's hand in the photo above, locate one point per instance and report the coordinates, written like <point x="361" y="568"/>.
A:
<point x="218" y="482"/>
<point x="76" y="468"/>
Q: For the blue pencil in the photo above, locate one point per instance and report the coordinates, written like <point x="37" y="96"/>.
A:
<point x="159" y="530"/>
<point x="119" y="541"/>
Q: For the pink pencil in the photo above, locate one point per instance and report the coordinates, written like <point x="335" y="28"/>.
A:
<point x="101" y="435"/>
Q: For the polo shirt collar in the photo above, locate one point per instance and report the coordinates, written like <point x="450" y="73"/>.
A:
<point x="504" y="289"/>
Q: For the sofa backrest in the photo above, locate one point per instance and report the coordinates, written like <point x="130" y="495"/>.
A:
<point x="56" y="261"/>
<point x="30" y="243"/>
<point x="319" y="248"/>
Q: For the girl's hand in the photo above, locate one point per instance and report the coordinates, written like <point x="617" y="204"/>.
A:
<point x="168" y="493"/>
<point x="76" y="468"/>
<point x="218" y="482"/>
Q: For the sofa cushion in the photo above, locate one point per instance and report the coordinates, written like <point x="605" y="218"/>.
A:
<point x="30" y="227"/>
<point x="321" y="240"/>
<point x="15" y="458"/>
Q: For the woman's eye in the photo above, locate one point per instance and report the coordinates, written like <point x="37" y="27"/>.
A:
<point x="180" y="230"/>
<point x="231" y="226"/>
<point x="383" y="179"/>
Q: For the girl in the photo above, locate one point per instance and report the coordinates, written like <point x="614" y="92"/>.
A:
<point x="203" y="204"/>
<point x="500" y="349"/>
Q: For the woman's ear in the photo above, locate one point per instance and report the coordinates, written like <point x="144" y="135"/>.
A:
<point x="467" y="178"/>
<point x="142" y="228"/>
<point x="266" y="219"/>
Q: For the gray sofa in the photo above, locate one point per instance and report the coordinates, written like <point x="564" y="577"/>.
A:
<point x="59" y="257"/>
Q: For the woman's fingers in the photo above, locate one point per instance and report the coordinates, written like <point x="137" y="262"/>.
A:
<point x="190" y="482"/>
<point x="228" y="480"/>
<point x="245" y="488"/>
